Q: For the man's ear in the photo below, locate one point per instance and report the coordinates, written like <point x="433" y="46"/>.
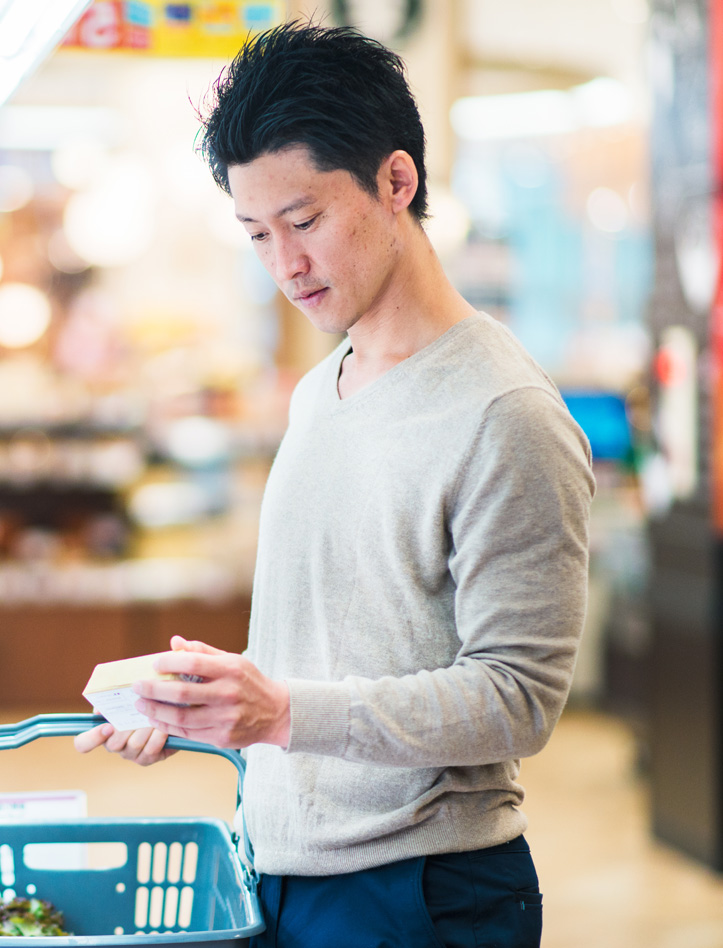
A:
<point x="398" y="180"/>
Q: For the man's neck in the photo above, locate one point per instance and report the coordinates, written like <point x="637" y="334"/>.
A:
<point x="425" y="306"/>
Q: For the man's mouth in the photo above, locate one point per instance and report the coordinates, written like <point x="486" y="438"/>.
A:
<point x="310" y="296"/>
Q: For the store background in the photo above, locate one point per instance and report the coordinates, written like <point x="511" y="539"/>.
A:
<point x="146" y="364"/>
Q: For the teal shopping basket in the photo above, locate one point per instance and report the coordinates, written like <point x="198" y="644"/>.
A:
<point x="183" y="879"/>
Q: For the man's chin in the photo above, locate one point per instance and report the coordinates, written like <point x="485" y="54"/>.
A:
<point x="325" y="322"/>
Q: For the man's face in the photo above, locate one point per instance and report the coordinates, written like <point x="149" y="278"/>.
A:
<point x="328" y="244"/>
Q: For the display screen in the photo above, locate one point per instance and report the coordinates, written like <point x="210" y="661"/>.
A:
<point x="603" y="418"/>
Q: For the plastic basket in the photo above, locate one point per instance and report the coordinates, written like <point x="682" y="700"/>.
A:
<point x="181" y="881"/>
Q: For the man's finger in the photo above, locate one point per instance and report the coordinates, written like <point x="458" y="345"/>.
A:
<point x="174" y="693"/>
<point x="201" y="663"/>
<point x="95" y="737"/>
<point x="146" y="746"/>
<point x="156" y="745"/>
<point x="118" y="741"/>
<point x="166" y="715"/>
<point x="137" y="741"/>
<point x="179" y="644"/>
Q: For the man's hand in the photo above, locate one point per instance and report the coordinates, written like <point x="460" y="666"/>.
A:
<point x="234" y="704"/>
<point x="145" y="746"/>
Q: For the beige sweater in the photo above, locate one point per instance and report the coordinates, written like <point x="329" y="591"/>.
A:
<point x="421" y="585"/>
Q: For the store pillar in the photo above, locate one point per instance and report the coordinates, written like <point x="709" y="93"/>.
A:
<point x="686" y="317"/>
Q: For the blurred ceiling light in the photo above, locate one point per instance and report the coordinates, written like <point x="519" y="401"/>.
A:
<point x="519" y="115"/>
<point x="607" y="210"/>
<point x="76" y="164"/>
<point x="600" y="102"/>
<point x="47" y="127"/>
<point x="29" y="31"/>
<point x="16" y="188"/>
<point x="634" y="12"/>
<point x="111" y="224"/>
<point x="24" y="315"/>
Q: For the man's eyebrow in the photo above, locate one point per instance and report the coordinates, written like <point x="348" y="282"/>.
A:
<point x="289" y="209"/>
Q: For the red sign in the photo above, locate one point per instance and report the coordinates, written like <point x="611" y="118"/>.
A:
<point x="104" y="26"/>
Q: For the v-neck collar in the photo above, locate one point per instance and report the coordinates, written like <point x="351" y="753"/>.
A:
<point x="389" y="377"/>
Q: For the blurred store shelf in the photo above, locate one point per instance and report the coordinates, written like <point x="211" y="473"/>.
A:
<point x="47" y="652"/>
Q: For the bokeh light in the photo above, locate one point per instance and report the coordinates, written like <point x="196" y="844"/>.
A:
<point x="24" y="315"/>
<point x="112" y="222"/>
<point x="77" y="164"/>
<point x="607" y="211"/>
<point x="16" y="188"/>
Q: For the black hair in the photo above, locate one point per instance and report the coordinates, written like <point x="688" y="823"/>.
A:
<point x="340" y="93"/>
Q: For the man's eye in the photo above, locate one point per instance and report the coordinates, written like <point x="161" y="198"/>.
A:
<point x="257" y="237"/>
<point x="305" y="225"/>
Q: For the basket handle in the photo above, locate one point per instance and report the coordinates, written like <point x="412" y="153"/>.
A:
<point x="68" y="725"/>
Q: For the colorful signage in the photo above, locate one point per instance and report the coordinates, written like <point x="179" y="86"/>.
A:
<point x="207" y="28"/>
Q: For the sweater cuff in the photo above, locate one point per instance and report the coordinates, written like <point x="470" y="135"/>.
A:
<point x="319" y="717"/>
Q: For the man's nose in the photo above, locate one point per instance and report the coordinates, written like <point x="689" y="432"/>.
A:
<point x="290" y="260"/>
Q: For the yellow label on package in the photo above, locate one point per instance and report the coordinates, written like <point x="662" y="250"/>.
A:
<point x="110" y="690"/>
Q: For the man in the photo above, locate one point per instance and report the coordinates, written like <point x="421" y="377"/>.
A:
<point x="421" y="576"/>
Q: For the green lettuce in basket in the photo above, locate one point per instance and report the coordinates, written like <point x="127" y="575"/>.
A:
<point x="28" y="917"/>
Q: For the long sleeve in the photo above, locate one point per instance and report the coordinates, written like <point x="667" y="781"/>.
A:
<point x="517" y="524"/>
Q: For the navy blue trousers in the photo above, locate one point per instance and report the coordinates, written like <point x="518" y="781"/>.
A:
<point x="488" y="898"/>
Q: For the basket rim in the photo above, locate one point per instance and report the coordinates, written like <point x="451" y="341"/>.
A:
<point x="130" y="938"/>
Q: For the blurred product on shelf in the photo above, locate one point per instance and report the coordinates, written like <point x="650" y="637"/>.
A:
<point x="129" y="581"/>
